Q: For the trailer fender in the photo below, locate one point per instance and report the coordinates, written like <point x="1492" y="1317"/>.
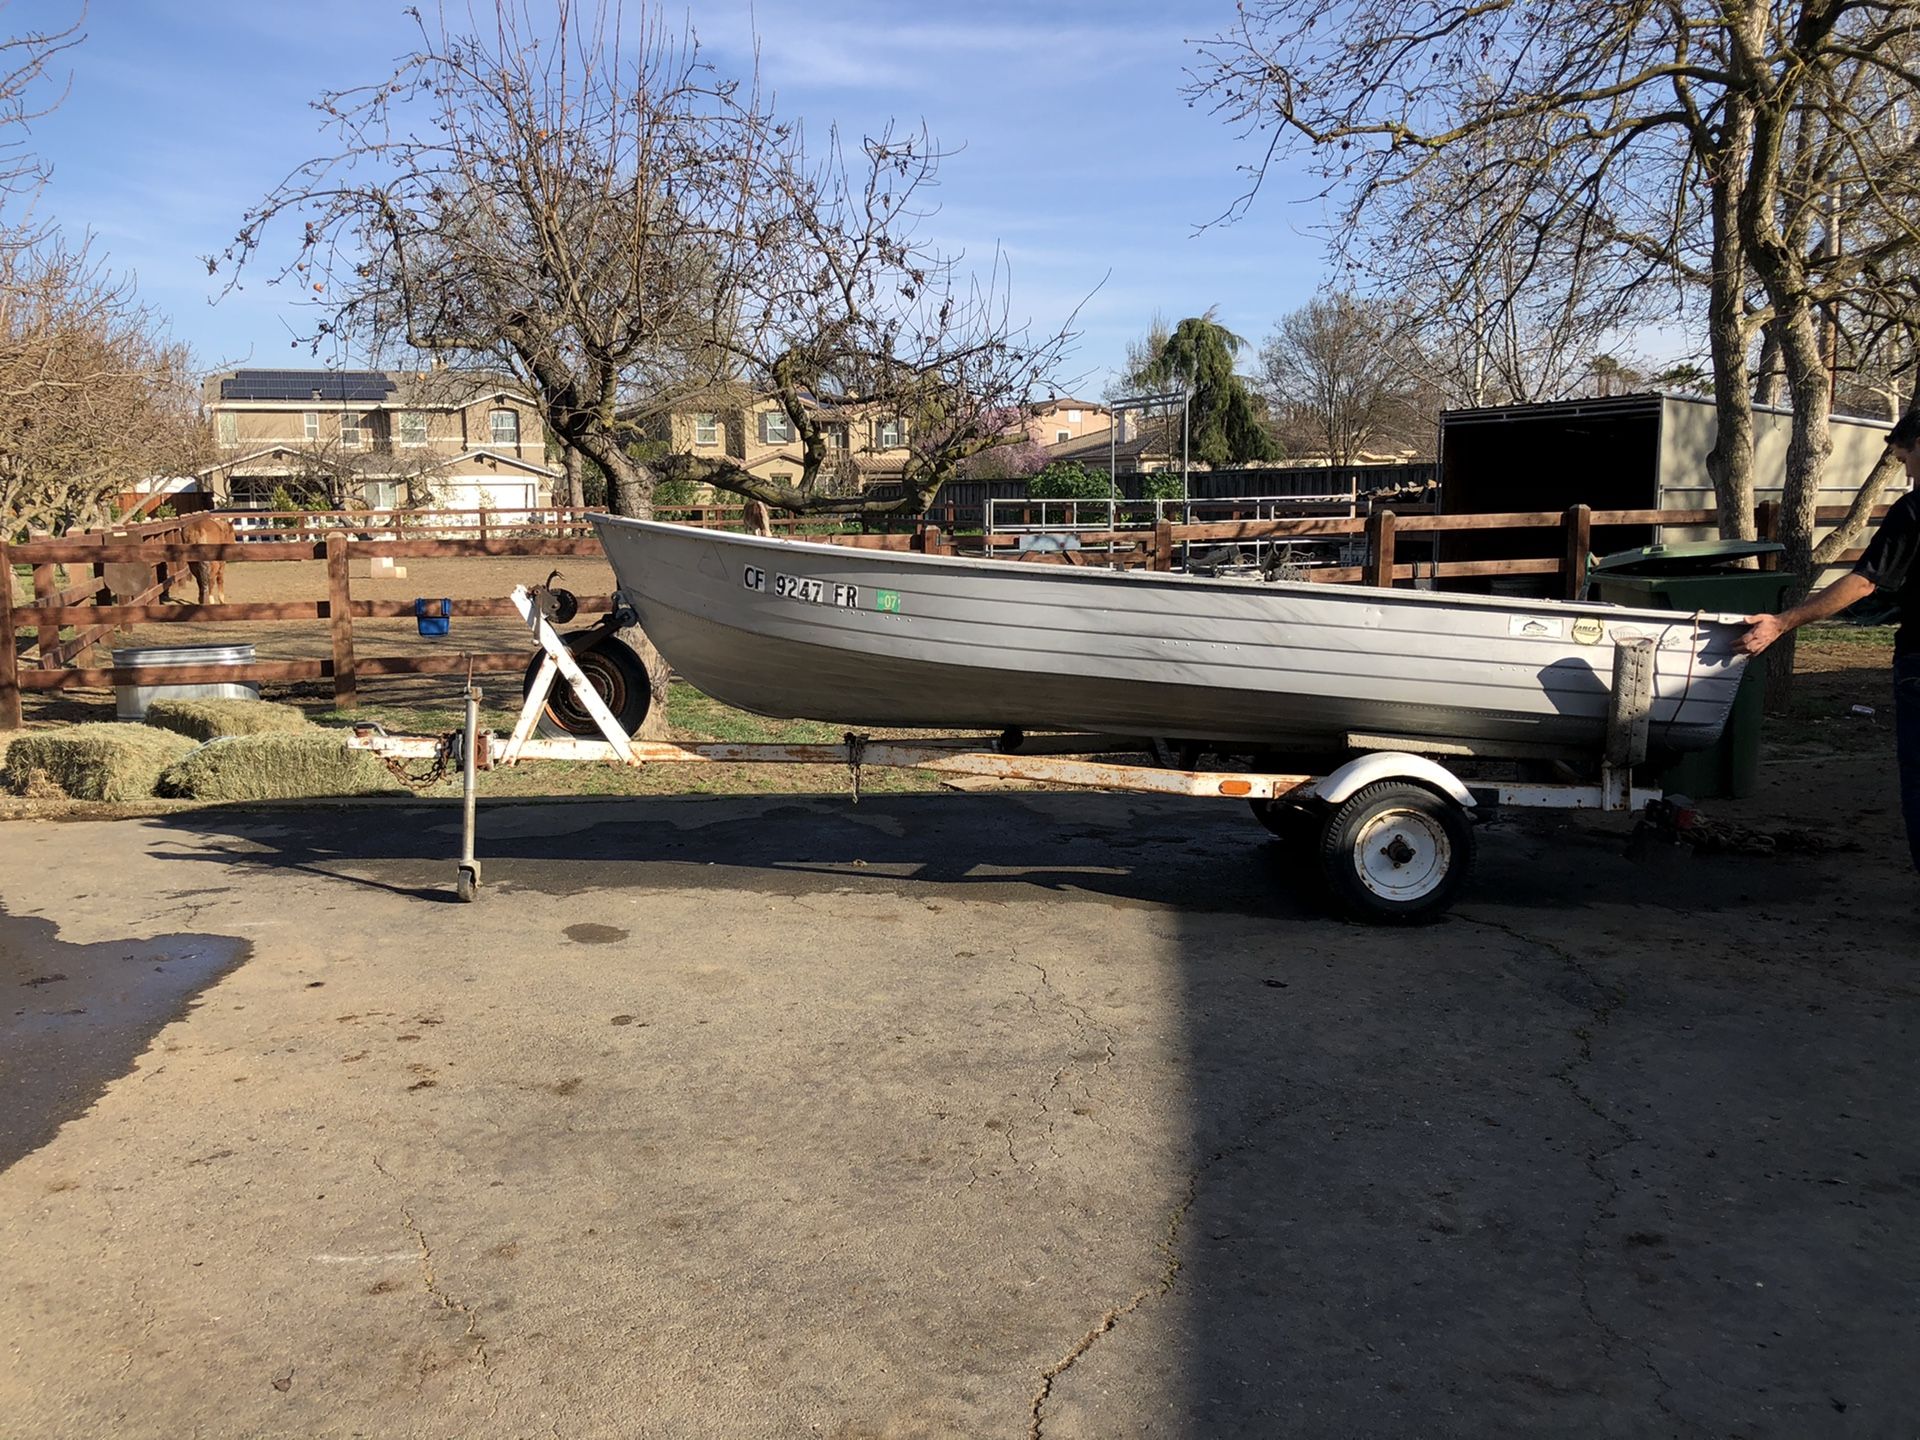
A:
<point x="1388" y="765"/>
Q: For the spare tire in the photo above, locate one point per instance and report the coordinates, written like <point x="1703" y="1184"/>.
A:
<point x="617" y="677"/>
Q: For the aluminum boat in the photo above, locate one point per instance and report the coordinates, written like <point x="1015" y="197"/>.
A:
<point x="890" y="639"/>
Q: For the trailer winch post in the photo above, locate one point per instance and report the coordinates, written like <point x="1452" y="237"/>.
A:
<point x="467" y="882"/>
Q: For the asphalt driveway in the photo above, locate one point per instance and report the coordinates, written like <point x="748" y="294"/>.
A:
<point x="982" y="1115"/>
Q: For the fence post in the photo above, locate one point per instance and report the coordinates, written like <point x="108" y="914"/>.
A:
<point x="1577" y="527"/>
<point x="1766" y="526"/>
<point x="1162" y="544"/>
<point x="1379" y="566"/>
<point x="9" y="657"/>
<point x="44" y="590"/>
<point x="933" y="543"/>
<point x="346" y="692"/>
<point x="483" y="522"/>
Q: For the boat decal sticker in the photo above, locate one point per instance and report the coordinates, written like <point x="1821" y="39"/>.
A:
<point x="754" y="578"/>
<point x="887" y="601"/>
<point x="1536" y="627"/>
<point x="1588" y="631"/>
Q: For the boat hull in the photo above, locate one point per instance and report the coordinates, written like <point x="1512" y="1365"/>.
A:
<point x="885" y="639"/>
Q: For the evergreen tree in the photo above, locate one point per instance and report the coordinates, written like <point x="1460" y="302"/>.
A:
<point x="1223" y="424"/>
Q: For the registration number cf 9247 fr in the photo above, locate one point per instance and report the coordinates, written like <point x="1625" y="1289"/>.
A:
<point x="800" y="587"/>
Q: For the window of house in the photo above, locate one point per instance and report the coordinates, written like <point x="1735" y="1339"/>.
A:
<point x="889" y="434"/>
<point x="225" y="428"/>
<point x="775" y="429"/>
<point x="706" y="430"/>
<point x="1060" y="435"/>
<point x="353" y="432"/>
<point x="250" y="492"/>
<point x="835" y="435"/>
<point x="413" y="428"/>
<point x="504" y="426"/>
<point x="312" y="419"/>
<point x="1073" y="417"/>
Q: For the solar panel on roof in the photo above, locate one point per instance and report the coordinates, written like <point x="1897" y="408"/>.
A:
<point x="336" y="385"/>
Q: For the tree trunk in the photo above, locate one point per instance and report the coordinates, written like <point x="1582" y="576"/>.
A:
<point x="1730" y="461"/>
<point x="576" y="476"/>
<point x="1770" y="385"/>
<point x="654" y="727"/>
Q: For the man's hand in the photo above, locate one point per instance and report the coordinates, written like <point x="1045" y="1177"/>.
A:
<point x="1761" y="631"/>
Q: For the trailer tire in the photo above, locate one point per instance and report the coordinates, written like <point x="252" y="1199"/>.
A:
<point x="1396" y="852"/>
<point x="617" y="677"/>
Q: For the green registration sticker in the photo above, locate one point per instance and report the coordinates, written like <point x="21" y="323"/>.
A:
<point x="887" y="601"/>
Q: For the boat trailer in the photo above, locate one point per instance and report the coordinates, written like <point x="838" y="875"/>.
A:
<point x="1390" y="831"/>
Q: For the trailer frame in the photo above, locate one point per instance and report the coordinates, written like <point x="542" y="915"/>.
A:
<point x="1389" y="854"/>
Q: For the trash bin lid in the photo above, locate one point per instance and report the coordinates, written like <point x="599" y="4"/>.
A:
<point x="1684" y="556"/>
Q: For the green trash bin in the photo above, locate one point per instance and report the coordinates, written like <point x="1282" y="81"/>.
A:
<point x="1704" y="575"/>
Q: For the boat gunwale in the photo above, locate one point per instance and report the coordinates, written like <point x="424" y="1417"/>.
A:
<point x="1101" y="576"/>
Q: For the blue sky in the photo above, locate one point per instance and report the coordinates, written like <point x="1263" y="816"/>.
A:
<point x="1077" y="155"/>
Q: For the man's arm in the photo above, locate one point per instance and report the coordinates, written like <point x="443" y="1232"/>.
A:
<point x="1763" y="630"/>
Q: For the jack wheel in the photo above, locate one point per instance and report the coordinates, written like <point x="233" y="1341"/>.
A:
<point x="467" y="885"/>
<point x="1396" y="852"/>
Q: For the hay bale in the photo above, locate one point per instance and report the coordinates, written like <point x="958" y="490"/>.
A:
<point x="211" y="719"/>
<point x="92" y="762"/>
<point x="285" y="766"/>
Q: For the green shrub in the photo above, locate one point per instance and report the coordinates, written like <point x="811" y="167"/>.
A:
<point x="92" y="762"/>
<point x="1065" y="480"/>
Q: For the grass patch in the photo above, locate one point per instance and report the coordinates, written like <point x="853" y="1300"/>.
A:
<point x="694" y="716"/>
<point x="92" y="762"/>
<point x="284" y="766"/>
<point x="1837" y="634"/>
<point x="211" y="719"/>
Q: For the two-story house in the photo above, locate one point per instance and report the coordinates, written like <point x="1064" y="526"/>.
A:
<point x="379" y="438"/>
<point x="1060" y="420"/>
<point x="864" y="446"/>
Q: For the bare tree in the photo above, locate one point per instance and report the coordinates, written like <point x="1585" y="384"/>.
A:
<point x="94" y="397"/>
<point x="631" y="233"/>
<point x="1503" y="299"/>
<point x="1337" y="368"/>
<point x="1717" y="145"/>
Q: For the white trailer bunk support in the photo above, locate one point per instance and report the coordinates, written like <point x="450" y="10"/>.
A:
<point x="1391" y="829"/>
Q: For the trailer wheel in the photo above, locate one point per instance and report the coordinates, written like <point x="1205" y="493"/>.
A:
<point x="1396" y="852"/>
<point x="617" y="677"/>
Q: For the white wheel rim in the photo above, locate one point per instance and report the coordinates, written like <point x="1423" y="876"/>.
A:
<point x="1402" y="854"/>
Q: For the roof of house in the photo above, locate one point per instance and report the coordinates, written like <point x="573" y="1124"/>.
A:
<point x="1150" y="439"/>
<point x="1066" y="402"/>
<point x="368" y="387"/>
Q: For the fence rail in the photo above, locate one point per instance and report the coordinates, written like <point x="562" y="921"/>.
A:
<point x="90" y="604"/>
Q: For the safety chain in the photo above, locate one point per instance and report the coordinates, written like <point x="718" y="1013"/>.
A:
<point x="856" y="749"/>
<point x="437" y="768"/>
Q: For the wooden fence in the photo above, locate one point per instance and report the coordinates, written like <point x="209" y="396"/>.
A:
<point x="46" y="661"/>
<point x="483" y="523"/>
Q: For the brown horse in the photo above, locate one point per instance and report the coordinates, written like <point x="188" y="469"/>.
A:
<point x="209" y="576"/>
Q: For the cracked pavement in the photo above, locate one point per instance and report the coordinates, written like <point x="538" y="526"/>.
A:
<point x="1033" y="1115"/>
